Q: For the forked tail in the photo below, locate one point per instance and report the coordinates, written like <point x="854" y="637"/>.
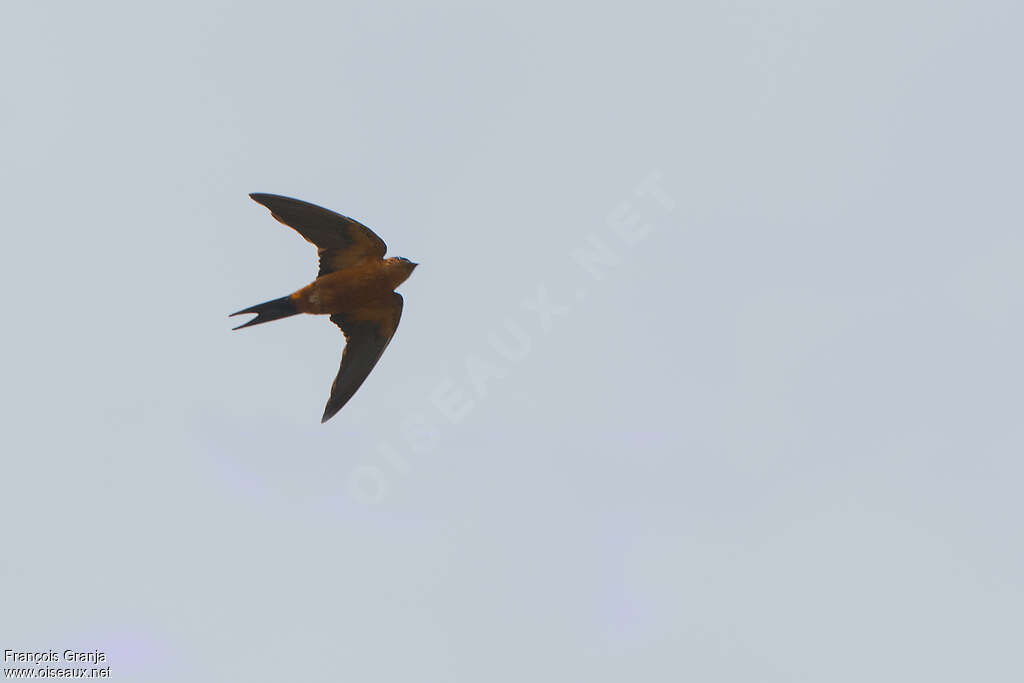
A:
<point x="269" y="310"/>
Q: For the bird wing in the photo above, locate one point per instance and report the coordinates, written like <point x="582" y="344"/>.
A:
<point x="340" y="241"/>
<point x="368" y="331"/>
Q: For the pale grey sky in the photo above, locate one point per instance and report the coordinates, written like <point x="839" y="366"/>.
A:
<point x="711" y="370"/>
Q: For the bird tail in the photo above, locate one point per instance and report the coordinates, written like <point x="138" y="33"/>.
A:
<point x="269" y="310"/>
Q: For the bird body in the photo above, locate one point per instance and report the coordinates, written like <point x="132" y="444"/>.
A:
<point x="355" y="286"/>
<point x="352" y="287"/>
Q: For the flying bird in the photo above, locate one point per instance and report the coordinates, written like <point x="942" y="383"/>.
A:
<point x="355" y="286"/>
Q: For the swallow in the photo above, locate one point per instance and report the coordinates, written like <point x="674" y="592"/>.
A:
<point x="355" y="286"/>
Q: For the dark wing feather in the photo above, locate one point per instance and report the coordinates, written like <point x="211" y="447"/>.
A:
<point x="340" y="241"/>
<point x="368" y="331"/>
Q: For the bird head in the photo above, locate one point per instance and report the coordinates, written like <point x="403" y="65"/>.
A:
<point x="400" y="269"/>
